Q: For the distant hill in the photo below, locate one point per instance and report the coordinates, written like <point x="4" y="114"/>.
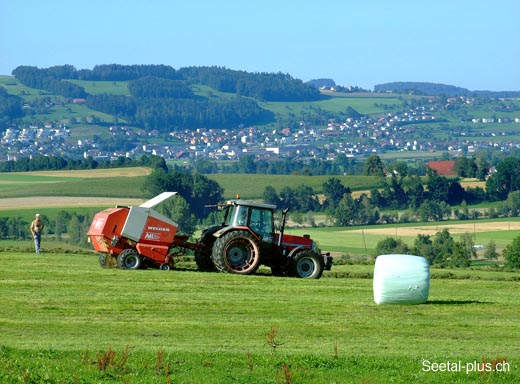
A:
<point x="318" y="83"/>
<point x="436" y="89"/>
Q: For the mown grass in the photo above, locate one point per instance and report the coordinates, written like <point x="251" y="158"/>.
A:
<point x="64" y="319"/>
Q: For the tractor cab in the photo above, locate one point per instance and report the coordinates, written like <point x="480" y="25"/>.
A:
<point x="256" y="216"/>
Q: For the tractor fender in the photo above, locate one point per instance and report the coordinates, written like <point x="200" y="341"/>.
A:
<point x="297" y="250"/>
<point x="230" y="228"/>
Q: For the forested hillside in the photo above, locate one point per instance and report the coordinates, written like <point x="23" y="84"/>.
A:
<point x="161" y="97"/>
<point x="435" y="89"/>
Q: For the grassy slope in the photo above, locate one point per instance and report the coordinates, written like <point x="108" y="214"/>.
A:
<point x="62" y="313"/>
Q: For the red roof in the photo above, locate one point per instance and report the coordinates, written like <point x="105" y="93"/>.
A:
<point x="443" y="168"/>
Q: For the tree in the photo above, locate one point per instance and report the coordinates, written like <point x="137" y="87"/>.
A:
<point x="490" y="251"/>
<point x="506" y="179"/>
<point x="373" y="166"/>
<point x="270" y="196"/>
<point x="438" y="186"/>
<point x="390" y="245"/>
<point x="247" y="164"/>
<point x="465" y="167"/>
<point x="288" y="199"/>
<point x="60" y="223"/>
<point x="511" y="253"/>
<point x="423" y="246"/>
<point x="345" y="212"/>
<point x="333" y="189"/>
<point x="430" y="210"/>
<point x="511" y="207"/>
<point x="443" y="247"/>
<point x="307" y="199"/>
<point x="179" y="211"/>
<point x="197" y="190"/>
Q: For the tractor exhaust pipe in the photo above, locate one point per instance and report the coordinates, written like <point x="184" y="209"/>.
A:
<point x="282" y="227"/>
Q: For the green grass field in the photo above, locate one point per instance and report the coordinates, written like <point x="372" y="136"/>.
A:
<point x="363" y="240"/>
<point x="98" y="87"/>
<point x="66" y="320"/>
<point x="129" y="182"/>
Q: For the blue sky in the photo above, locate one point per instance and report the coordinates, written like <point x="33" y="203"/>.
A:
<point x="468" y="43"/>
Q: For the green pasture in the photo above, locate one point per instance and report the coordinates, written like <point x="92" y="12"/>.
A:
<point x="336" y="105"/>
<point x="98" y="87"/>
<point x="22" y="184"/>
<point x="30" y="185"/>
<point x="362" y="240"/>
<point x="253" y="186"/>
<point x="14" y="87"/>
<point x="64" y="319"/>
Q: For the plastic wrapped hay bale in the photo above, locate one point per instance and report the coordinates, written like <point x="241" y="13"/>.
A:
<point x="401" y="279"/>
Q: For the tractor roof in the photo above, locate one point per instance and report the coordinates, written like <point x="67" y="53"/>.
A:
<point x="251" y="204"/>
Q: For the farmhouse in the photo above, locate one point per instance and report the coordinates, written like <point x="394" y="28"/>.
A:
<point x="443" y="168"/>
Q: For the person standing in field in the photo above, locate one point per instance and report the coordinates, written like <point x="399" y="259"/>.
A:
<point x="36" y="230"/>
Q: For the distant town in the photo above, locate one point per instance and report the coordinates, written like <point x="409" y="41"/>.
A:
<point x="353" y="137"/>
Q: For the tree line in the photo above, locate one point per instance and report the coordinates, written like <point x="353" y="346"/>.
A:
<point x="161" y="97"/>
<point x="165" y="114"/>
<point x="57" y="163"/>
<point x="417" y="200"/>
<point x="10" y="107"/>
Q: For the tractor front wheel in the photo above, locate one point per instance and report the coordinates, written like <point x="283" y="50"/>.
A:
<point x="307" y="265"/>
<point x="129" y="259"/>
<point x="236" y="252"/>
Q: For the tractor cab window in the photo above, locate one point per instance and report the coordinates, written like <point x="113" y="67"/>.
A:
<point x="262" y="222"/>
<point x="237" y="215"/>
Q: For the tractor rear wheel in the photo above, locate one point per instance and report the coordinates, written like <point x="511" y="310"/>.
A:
<point x="236" y="252"/>
<point x="307" y="265"/>
<point x="129" y="259"/>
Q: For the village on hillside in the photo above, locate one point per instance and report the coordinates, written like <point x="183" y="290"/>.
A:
<point x="393" y="131"/>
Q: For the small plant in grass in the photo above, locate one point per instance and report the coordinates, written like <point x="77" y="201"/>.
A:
<point x="286" y="374"/>
<point x="250" y="365"/>
<point x="272" y="341"/>
<point x="159" y="361"/>
<point x="107" y="360"/>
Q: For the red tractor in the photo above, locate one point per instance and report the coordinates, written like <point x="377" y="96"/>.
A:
<point x="133" y="237"/>
<point x="247" y="239"/>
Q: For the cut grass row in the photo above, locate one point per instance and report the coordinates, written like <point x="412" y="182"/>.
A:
<point x="63" y="314"/>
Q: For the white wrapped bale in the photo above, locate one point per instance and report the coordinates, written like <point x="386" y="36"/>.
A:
<point x="401" y="279"/>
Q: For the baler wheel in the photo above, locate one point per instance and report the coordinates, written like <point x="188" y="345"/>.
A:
<point x="129" y="259"/>
<point x="104" y="260"/>
<point x="236" y="252"/>
<point x="307" y="265"/>
<point x="165" y="267"/>
<point x="107" y="260"/>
